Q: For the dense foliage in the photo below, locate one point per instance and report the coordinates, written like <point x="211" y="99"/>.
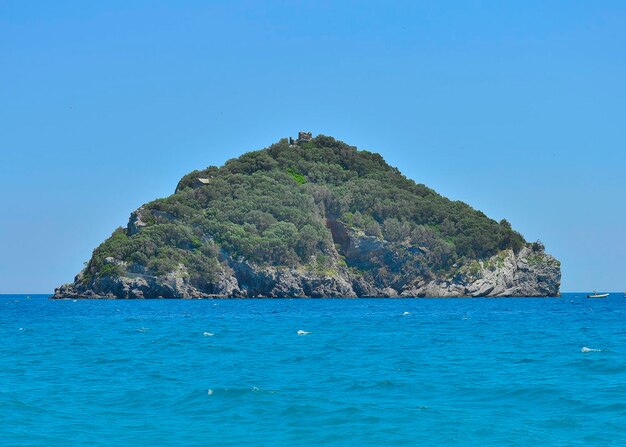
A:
<point x="273" y="207"/>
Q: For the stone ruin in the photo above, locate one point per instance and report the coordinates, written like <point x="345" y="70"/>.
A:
<point x="303" y="137"/>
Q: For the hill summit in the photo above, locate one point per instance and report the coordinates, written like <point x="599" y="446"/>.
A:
<point x="311" y="217"/>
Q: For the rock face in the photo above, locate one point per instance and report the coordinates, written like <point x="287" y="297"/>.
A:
<point x="314" y="219"/>
<point x="528" y="273"/>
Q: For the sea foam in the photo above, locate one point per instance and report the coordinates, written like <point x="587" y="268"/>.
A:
<point x="586" y="349"/>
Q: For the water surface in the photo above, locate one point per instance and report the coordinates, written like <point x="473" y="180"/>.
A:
<point x="429" y="372"/>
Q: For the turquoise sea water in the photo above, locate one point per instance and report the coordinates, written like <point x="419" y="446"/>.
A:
<point x="429" y="372"/>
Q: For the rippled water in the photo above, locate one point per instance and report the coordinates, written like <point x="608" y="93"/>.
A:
<point x="427" y="372"/>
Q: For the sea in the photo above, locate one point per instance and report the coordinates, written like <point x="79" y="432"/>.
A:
<point x="313" y="372"/>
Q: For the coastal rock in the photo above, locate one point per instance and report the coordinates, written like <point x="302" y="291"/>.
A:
<point x="527" y="273"/>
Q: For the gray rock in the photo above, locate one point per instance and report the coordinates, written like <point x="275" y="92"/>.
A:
<point x="527" y="273"/>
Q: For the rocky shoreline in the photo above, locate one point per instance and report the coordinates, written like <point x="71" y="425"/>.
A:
<point x="528" y="273"/>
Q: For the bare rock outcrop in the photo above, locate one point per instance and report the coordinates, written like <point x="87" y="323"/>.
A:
<point x="527" y="273"/>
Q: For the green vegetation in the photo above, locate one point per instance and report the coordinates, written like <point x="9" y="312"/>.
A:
<point x="299" y="178"/>
<point x="272" y="207"/>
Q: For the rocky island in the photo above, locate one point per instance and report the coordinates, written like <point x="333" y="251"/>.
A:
<point x="312" y="217"/>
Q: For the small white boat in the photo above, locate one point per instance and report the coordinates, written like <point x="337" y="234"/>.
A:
<point x="597" y="295"/>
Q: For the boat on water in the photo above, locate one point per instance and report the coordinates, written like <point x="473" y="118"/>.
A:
<point x="597" y="295"/>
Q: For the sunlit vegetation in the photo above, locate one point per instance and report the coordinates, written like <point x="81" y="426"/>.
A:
<point x="271" y="207"/>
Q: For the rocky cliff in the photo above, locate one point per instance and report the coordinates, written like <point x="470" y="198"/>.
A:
<point x="525" y="274"/>
<point x="314" y="218"/>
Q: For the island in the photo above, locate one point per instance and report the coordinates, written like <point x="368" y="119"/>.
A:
<point x="312" y="217"/>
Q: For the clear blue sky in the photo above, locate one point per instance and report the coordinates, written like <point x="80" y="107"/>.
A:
<point x="517" y="108"/>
